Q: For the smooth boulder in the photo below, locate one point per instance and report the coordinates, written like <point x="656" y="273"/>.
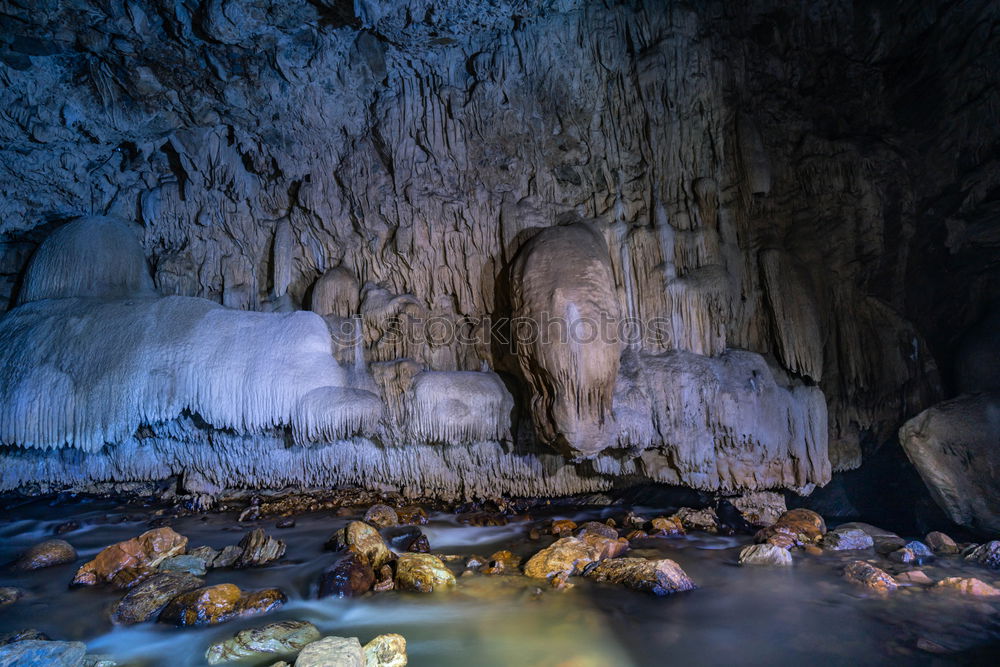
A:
<point x="147" y="599"/>
<point x="659" y="577"/>
<point x="871" y="577"/>
<point x="46" y="554"/>
<point x="332" y="652"/>
<point x="281" y="639"/>
<point x="349" y="576"/>
<point x="35" y="653"/>
<point x="387" y="650"/>
<point x="219" y="603"/>
<point x="847" y="539"/>
<point x="119" y="563"/>
<point x="422" y="573"/>
<point x="986" y="554"/>
<point x="570" y="555"/>
<point x="765" y="555"/>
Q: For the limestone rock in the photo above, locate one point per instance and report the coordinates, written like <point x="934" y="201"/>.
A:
<point x="597" y="528"/>
<point x="258" y="549"/>
<point x="386" y="651"/>
<point x="562" y="526"/>
<point x="659" y="577"/>
<point x="349" y="576"/>
<point x="332" y="652"/>
<point x="692" y="519"/>
<point x="33" y="653"/>
<point x="767" y="555"/>
<point x="381" y="516"/>
<point x="366" y="540"/>
<point x="953" y="446"/>
<point x="986" y="554"/>
<point x="46" y="554"/>
<point x="571" y="555"/>
<point x="873" y="578"/>
<point x="941" y="544"/>
<point x="422" y="573"/>
<point x="798" y="526"/>
<point x="760" y="508"/>
<point x="147" y="599"/>
<point x="284" y="638"/>
<point x="969" y="586"/>
<point x="137" y="554"/>
<point x="847" y="539"/>
<point x="665" y="527"/>
<point x="219" y="603"/>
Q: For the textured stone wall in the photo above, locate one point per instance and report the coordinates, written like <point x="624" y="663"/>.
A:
<point x="813" y="184"/>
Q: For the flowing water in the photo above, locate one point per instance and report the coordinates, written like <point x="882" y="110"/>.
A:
<point x="738" y="616"/>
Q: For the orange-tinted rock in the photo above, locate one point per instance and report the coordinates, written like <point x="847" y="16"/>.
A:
<point x="969" y="586"/>
<point x="659" y="577"/>
<point x="597" y="528"/>
<point x="501" y="562"/>
<point x="798" y="526"/>
<point x="381" y="516"/>
<point x="216" y="604"/>
<point x="692" y="519"/>
<point x="866" y="574"/>
<point x="664" y="527"/>
<point x="637" y="535"/>
<point x="349" y="576"/>
<point x="914" y="577"/>
<point x="570" y="555"/>
<point x="560" y="526"/>
<point x="138" y="554"/>
<point x="145" y="601"/>
<point x="411" y="515"/>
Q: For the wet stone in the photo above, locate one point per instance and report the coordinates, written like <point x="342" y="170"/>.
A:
<point x="287" y="522"/>
<point x="146" y="600"/>
<point x="798" y="526"/>
<point x="381" y="516"/>
<point x="9" y="595"/>
<point x="411" y="515"/>
<point x="561" y="526"/>
<point x="349" y="576"/>
<point x="659" y="577"/>
<point x="228" y="556"/>
<point x="969" y="586"/>
<point x="387" y="650"/>
<point x="34" y="653"/>
<point x="130" y="558"/>
<point x="597" y="528"/>
<point x="366" y="540"/>
<point x="873" y="578"/>
<point x="765" y="555"/>
<point x="847" y="539"/>
<point x="258" y="549"/>
<point x="482" y="519"/>
<point x="914" y="577"/>
<point x="704" y="519"/>
<point x="186" y="563"/>
<point x="282" y="639"/>
<point x="570" y="555"/>
<point x="332" y="652"/>
<point x="941" y="544"/>
<point x="46" y="554"/>
<point x="501" y="562"/>
<point x="422" y="573"/>
<point x="22" y="635"/>
<point x="986" y="554"/>
<point x="666" y="527"/>
<point x="67" y="527"/>
<point x="216" y="604"/>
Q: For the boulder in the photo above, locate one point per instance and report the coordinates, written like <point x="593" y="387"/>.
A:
<point x="847" y="539"/>
<point x="767" y="555"/>
<point x="381" y="516"/>
<point x="184" y="563"/>
<point x="941" y="544"/>
<point x="570" y="555"/>
<point x="914" y="577"/>
<point x="46" y="554"/>
<point x="349" y="576"/>
<point x="692" y="519"/>
<point x="885" y="541"/>
<point x="422" y="573"/>
<point x="258" y="549"/>
<point x="968" y="586"/>
<point x="228" y="556"/>
<point x="659" y="577"/>
<point x="873" y="578"/>
<point x="123" y="560"/>
<point x="386" y="651"/>
<point x="34" y="653"/>
<point x="364" y="539"/>
<point x="597" y="528"/>
<point x="147" y="599"/>
<point x="411" y="515"/>
<point x="281" y="639"/>
<point x="794" y="527"/>
<point x="953" y="445"/>
<point x="986" y="554"/>
<point x="219" y="603"/>
<point x="332" y="652"/>
<point x="760" y="508"/>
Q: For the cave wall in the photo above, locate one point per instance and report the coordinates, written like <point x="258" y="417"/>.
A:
<point x="816" y="185"/>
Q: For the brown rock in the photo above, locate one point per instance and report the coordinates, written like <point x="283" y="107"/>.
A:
<point x="216" y="604"/>
<point x="692" y="519"/>
<point x="866" y="574"/>
<point x="637" y="535"/>
<point x="597" y="528"/>
<point x="381" y="516"/>
<point x="659" y="577"/>
<point x="139" y="553"/>
<point x="482" y="519"/>
<point x="969" y="586"/>
<point x="146" y="600"/>
<point x="664" y="527"/>
<point x="799" y="526"/>
<point x="501" y="562"/>
<point x="570" y="555"/>
<point x="349" y="576"/>
<point x="422" y="573"/>
<point x="914" y="577"/>
<point x="46" y="554"/>
<point x="364" y="539"/>
<point x="941" y="544"/>
<point x="411" y="515"/>
<point x="560" y="526"/>
<point x="385" y="580"/>
<point x="258" y="549"/>
<point x="386" y="651"/>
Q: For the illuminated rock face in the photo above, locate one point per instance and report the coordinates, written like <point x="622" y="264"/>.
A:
<point x="705" y="169"/>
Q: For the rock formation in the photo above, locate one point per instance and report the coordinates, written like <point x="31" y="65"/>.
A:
<point x="785" y="216"/>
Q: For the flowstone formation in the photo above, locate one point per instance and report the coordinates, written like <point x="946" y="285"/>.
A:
<point x="423" y="175"/>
